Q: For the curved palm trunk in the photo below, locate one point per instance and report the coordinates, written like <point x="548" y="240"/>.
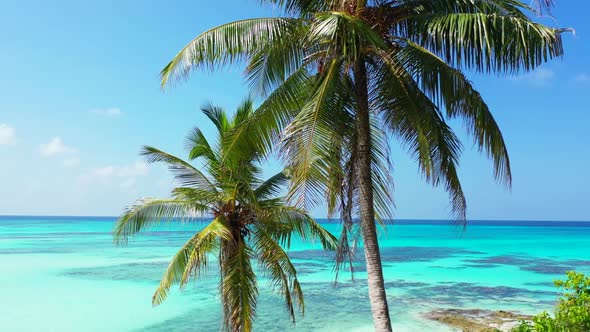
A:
<point x="229" y="251"/>
<point x="375" y="280"/>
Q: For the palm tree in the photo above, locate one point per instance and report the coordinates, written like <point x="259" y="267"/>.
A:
<point x="340" y="76"/>
<point x="250" y="221"/>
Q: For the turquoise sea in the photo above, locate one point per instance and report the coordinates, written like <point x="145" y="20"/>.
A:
<point x="64" y="274"/>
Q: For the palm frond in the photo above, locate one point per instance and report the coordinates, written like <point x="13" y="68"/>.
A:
<point x="271" y="66"/>
<point x="308" y="136"/>
<point x="381" y="169"/>
<point x="413" y="118"/>
<point x="261" y="130"/>
<point x="543" y="6"/>
<point x="345" y="34"/>
<point x="184" y="173"/>
<point x="348" y="195"/>
<point x="281" y="221"/>
<point x="150" y="212"/>
<point x="335" y="172"/>
<point x="191" y="258"/>
<point x="487" y="42"/>
<point x="303" y="8"/>
<point x="198" y="146"/>
<point x="243" y="112"/>
<point x="217" y="116"/>
<point x="271" y="187"/>
<point x="449" y="88"/>
<point x="421" y="9"/>
<point x="277" y="266"/>
<point x="225" y="44"/>
<point x="197" y="195"/>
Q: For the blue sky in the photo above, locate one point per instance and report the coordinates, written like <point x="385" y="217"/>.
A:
<point x="79" y="95"/>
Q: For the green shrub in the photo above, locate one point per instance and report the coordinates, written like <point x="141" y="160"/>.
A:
<point x="572" y="313"/>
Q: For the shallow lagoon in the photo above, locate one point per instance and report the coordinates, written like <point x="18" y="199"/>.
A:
<point x="64" y="274"/>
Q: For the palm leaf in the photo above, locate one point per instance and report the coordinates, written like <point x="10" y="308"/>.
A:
<point x="261" y="130"/>
<point x="196" y="195"/>
<point x="243" y="112"/>
<point x="185" y="173"/>
<point x="308" y="137"/>
<point x="271" y="187"/>
<point x="281" y="221"/>
<point x="150" y="212"/>
<point x="343" y="33"/>
<point x="277" y="266"/>
<point x="304" y="8"/>
<point x="487" y="42"/>
<point x="414" y="119"/>
<point x="217" y="115"/>
<point x="450" y="89"/>
<point x="227" y="43"/>
<point x="198" y="146"/>
<point x="191" y="258"/>
<point x="272" y="65"/>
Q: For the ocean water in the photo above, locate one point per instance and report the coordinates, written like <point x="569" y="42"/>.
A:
<point x="65" y="274"/>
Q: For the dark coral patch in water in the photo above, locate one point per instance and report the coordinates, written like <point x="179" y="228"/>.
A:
<point x="462" y="293"/>
<point x="391" y="254"/>
<point x="542" y="284"/>
<point x="151" y="271"/>
<point x="422" y="254"/>
<point x="404" y="284"/>
<point x="448" y="267"/>
<point x="311" y="267"/>
<point x="532" y="264"/>
<point x="318" y="255"/>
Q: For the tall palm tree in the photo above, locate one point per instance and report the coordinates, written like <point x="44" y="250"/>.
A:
<point x="342" y="75"/>
<point x="250" y="221"/>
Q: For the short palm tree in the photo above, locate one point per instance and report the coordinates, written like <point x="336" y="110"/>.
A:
<point x="250" y="221"/>
<point x="342" y="75"/>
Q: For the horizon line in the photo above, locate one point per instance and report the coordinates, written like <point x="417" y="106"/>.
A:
<point x="326" y="218"/>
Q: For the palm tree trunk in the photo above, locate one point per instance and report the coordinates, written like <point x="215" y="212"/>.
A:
<point x="375" y="280"/>
<point x="230" y="250"/>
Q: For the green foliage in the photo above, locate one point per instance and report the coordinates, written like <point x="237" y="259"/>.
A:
<point x="572" y="313"/>
<point x="330" y="66"/>
<point x="414" y="52"/>
<point x="523" y="327"/>
<point x="251" y="221"/>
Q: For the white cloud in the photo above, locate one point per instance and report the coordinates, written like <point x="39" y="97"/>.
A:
<point x="55" y="147"/>
<point x="583" y="78"/>
<point x="137" y="169"/>
<point x="539" y="77"/>
<point x="128" y="184"/>
<point x="72" y="162"/>
<point x="7" y="134"/>
<point x="110" y="112"/>
<point x="125" y="176"/>
<point x="542" y="74"/>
